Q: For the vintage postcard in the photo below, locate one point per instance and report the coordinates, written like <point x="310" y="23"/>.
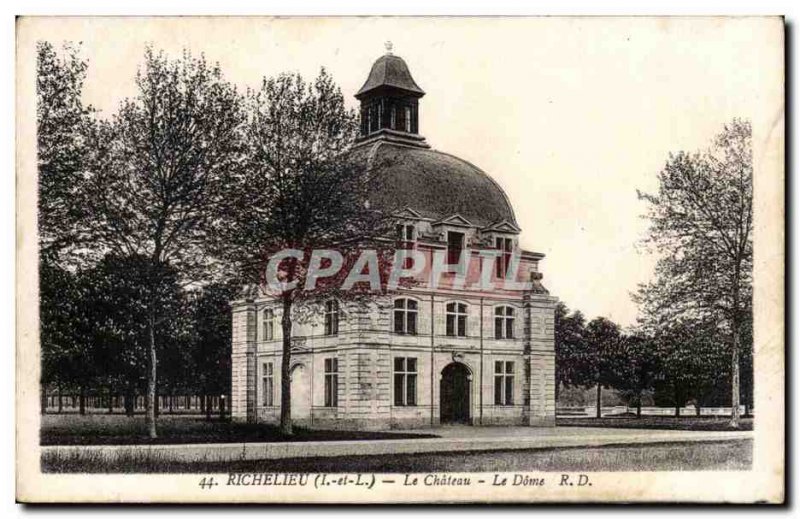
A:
<point x="400" y="260"/>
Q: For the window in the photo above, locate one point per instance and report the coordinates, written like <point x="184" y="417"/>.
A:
<point x="268" y="324"/>
<point x="455" y="244"/>
<point x="267" y="384"/>
<point x="406" y="232"/>
<point x="456" y="319"/>
<point x="369" y="120"/>
<point x="393" y="118"/>
<point x="503" y="383"/>
<point x="331" y="317"/>
<point x="408" y="118"/>
<point x="503" y="322"/>
<point x="332" y="382"/>
<point x="505" y="246"/>
<point x="380" y="117"/>
<point x="405" y="316"/>
<point x="405" y="381"/>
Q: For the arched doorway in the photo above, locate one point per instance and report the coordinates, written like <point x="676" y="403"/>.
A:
<point x="301" y="395"/>
<point x="454" y="394"/>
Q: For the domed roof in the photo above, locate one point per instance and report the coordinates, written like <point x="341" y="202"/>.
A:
<point x="434" y="184"/>
<point x="390" y="71"/>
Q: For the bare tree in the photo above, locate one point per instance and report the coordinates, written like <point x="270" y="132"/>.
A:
<point x="701" y="223"/>
<point x="160" y="176"/>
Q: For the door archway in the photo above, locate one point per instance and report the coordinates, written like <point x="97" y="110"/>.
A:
<point x="454" y="394"/>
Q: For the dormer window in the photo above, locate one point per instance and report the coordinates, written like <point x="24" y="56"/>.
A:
<point x="506" y="247"/>
<point x="406" y="232"/>
<point x="408" y="118"/>
<point x="455" y="244"/>
<point x="393" y="118"/>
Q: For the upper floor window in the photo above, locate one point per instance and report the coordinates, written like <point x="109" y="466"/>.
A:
<point x="504" y="322"/>
<point x="405" y="316"/>
<point x="455" y="244"/>
<point x="268" y="324"/>
<point x="505" y="246"/>
<point x="456" y="319"/>
<point x="331" y="317"/>
<point x="393" y="118"/>
<point x="369" y="120"/>
<point x="408" y="118"/>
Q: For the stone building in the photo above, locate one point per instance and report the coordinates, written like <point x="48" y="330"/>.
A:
<point x="421" y="356"/>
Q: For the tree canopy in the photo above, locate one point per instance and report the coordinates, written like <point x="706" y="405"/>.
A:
<point x="701" y="226"/>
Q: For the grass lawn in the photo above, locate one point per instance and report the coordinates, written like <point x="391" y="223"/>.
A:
<point x="121" y="430"/>
<point x="725" y="455"/>
<point x="678" y="423"/>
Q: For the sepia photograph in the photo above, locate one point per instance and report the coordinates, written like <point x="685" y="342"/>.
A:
<point x="400" y="259"/>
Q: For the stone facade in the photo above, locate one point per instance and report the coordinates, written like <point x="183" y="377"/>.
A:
<point x="366" y="347"/>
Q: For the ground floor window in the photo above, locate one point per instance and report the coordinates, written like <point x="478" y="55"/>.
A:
<point x="267" y="384"/>
<point x="331" y="382"/>
<point x="503" y="383"/>
<point x="405" y="381"/>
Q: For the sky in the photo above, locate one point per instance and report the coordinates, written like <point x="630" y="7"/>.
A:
<point x="569" y="115"/>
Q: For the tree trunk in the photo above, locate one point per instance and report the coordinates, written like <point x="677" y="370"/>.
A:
<point x="150" y="413"/>
<point x="207" y="400"/>
<point x="130" y="401"/>
<point x="746" y="410"/>
<point x="286" y="382"/>
<point x="82" y="401"/>
<point x="599" y="401"/>
<point x="677" y="403"/>
<point x="222" y="408"/>
<point x="734" y="424"/>
<point x="639" y="406"/>
<point x="110" y="400"/>
<point x="60" y="401"/>
<point x="697" y="407"/>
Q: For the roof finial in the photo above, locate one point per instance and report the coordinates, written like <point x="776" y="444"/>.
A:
<point x="388" y="46"/>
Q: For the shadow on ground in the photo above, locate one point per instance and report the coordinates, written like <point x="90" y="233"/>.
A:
<point x="673" y="423"/>
<point x="123" y="430"/>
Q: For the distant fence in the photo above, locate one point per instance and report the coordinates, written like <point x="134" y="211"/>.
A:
<point x="591" y="411"/>
<point x="218" y="405"/>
